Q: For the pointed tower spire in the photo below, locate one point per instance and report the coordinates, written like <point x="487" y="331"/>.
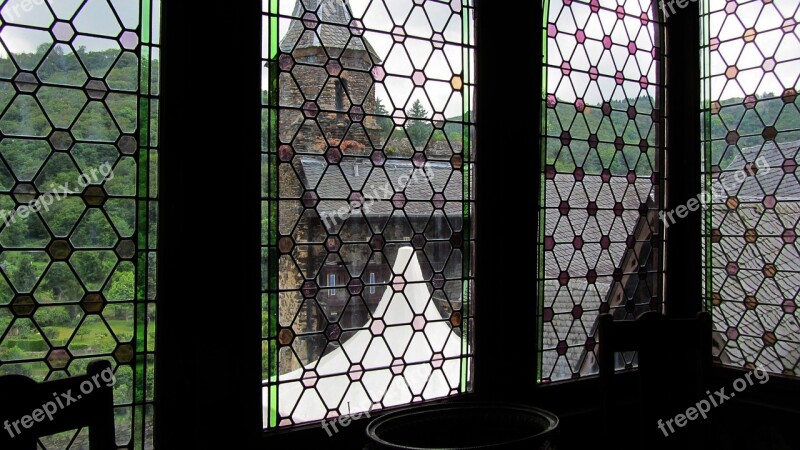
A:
<point x="331" y="73"/>
<point x="332" y="20"/>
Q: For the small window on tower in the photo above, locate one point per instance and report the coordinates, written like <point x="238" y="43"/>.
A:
<point x="341" y="87"/>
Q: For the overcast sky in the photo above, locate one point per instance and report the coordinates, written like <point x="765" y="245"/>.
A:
<point x="401" y="60"/>
<point x="769" y="41"/>
<point x="771" y="48"/>
<point x="96" y="17"/>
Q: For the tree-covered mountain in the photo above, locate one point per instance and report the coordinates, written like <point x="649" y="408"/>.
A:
<point x="62" y="113"/>
<point x="614" y="139"/>
<point x="750" y="119"/>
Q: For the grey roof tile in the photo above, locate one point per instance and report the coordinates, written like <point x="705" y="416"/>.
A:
<point x="565" y="257"/>
<point x="770" y="179"/>
<point x="333" y="31"/>
<point x="769" y="248"/>
<point x="335" y="183"/>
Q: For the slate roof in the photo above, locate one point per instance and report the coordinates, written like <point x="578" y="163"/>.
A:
<point x="579" y="223"/>
<point x="333" y="33"/>
<point x="564" y="256"/>
<point x="780" y="181"/>
<point x="772" y="180"/>
<point x="335" y="183"/>
<point x="777" y="177"/>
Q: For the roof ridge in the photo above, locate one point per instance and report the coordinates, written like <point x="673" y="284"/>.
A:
<point x="329" y="27"/>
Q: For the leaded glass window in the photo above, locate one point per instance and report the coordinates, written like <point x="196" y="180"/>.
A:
<point x="79" y="86"/>
<point x="368" y="155"/>
<point x="603" y="145"/>
<point x="751" y="139"/>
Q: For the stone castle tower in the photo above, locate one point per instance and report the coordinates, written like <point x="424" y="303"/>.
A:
<point x="330" y="80"/>
<point x="327" y="92"/>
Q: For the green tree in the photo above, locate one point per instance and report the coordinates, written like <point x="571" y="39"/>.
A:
<point x="11" y="354"/>
<point x="384" y="122"/>
<point x="53" y="316"/>
<point x="418" y="126"/>
<point x="122" y="287"/>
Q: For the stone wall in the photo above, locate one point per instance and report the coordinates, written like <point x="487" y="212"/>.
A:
<point x="344" y="94"/>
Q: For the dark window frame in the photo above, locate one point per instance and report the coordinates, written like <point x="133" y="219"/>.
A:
<point x="209" y="334"/>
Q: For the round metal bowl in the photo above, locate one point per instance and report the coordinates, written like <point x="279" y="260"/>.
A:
<point x="465" y="426"/>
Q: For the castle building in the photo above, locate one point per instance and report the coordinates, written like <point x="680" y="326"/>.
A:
<point x="329" y="77"/>
<point x="326" y="90"/>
